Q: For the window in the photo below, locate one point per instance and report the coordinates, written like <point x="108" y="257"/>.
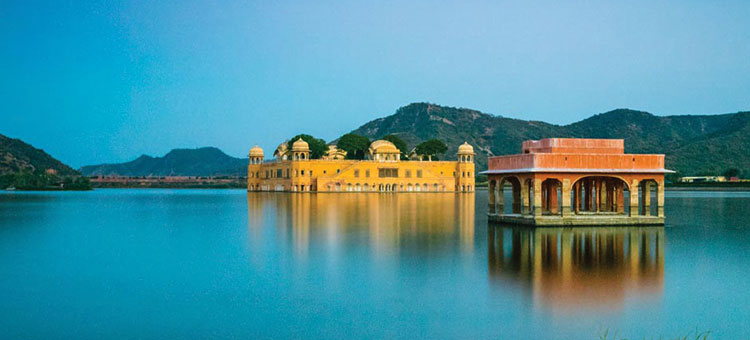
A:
<point x="367" y="173"/>
<point x="324" y="172"/>
<point x="302" y="172"/>
<point x="338" y="171"/>
<point x="310" y="173"/>
<point x="419" y="173"/>
<point x="356" y="173"/>
<point x="287" y="173"/>
<point x="279" y="174"/>
<point x="266" y="173"/>
<point x="387" y="172"/>
<point x="408" y="174"/>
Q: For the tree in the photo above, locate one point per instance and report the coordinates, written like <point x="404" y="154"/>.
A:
<point x="355" y="145"/>
<point x="431" y="148"/>
<point x="399" y="143"/>
<point x="318" y="147"/>
<point x="732" y="172"/>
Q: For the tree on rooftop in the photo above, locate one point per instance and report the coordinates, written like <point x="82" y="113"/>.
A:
<point x="431" y="148"/>
<point x="399" y="143"/>
<point x="355" y="145"/>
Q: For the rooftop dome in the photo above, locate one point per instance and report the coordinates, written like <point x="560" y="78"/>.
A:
<point x="300" y="145"/>
<point x="256" y="151"/>
<point x="465" y="149"/>
<point x="383" y="146"/>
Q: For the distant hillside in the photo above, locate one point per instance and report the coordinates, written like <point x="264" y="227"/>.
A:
<point x="706" y="144"/>
<point x="206" y="161"/>
<point x="15" y="156"/>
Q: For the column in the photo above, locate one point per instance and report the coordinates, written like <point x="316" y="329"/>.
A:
<point x="646" y="198"/>
<point x="610" y="195"/>
<point x="500" y="198"/>
<point x="552" y="195"/>
<point x="634" y="198"/>
<point x="589" y="187"/>
<point x="577" y="197"/>
<point x="620" y="197"/>
<point x="602" y="195"/>
<point x="545" y="197"/>
<point x="565" y="197"/>
<point x="537" y="197"/>
<point x="517" y="189"/>
<point x="660" y="198"/>
<point x="525" y="188"/>
<point x="491" y="199"/>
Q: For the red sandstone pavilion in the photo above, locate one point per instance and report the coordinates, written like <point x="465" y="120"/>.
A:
<point x="576" y="181"/>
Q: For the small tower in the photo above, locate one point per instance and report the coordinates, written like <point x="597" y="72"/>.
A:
<point x="300" y="150"/>
<point x="465" y="168"/>
<point x="256" y="155"/>
<point x="255" y="163"/>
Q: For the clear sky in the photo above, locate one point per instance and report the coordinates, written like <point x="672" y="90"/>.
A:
<point x="94" y="82"/>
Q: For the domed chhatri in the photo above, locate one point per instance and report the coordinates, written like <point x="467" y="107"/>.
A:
<point x="382" y="170"/>
<point x="465" y="149"/>
<point x="256" y="155"/>
<point x="300" y="145"/>
<point x="256" y="151"/>
<point x="383" y="150"/>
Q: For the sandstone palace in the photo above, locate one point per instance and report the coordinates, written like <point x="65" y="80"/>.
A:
<point x="382" y="171"/>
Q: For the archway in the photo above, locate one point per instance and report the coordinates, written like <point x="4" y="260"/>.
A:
<point x="600" y="194"/>
<point x="551" y="197"/>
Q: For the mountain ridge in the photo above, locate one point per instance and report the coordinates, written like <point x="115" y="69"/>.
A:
<point x="687" y="140"/>
<point x="204" y="161"/>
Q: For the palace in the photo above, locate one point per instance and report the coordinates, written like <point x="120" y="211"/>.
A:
<point x="383" y="170"/>
<point x="576" y="181"/>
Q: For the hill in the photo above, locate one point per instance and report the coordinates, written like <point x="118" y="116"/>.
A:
<point x="694" y="144"/>
<point x="207" y="161"/>
<point x="17" y="156"/>
<point x="25" y="167"/>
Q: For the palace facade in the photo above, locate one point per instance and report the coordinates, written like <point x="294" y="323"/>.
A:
<point x="382" y="171"/>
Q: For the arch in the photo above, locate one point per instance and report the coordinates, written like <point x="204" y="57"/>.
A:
<point x="338" y="186"/>
<point x="348" y="187"/>
<point x="551" y="197"/>
<point x="409" y="187"/>
<point x="605" y="194"/>
<point x="425" y="187"/>
<point x="435" y="187"/>
<point x="515" y="183"/>
<point x="648" y="195"/>
<point x="357" y="187"/>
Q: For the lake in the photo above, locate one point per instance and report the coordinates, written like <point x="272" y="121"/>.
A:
<point x="201" y="264"/>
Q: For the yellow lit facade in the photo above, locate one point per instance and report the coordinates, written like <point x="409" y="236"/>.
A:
<point x="293" y="170"/>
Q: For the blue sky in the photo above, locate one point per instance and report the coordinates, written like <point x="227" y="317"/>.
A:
<point x="93" y="82"/>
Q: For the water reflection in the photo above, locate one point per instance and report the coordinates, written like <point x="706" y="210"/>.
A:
<point x="387" y="222"/>
<point x="568" y="268"/>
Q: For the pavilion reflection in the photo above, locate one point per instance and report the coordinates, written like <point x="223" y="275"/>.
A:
<point x="593" y="267"/>
<point x="387" y="222"/>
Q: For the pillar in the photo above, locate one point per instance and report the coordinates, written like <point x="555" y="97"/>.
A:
<point x="577" y="197"/>
<point x="660" y="198"/>
<point x="589" y="189"/>
<point x="525" y="188"/>
<point x="491" y="199"/>
<point x="634" y="198"/>
<point x="552" y="196"/>
<point x="545" y="196"/>
<point x="537" y="197"/>
<point x="646" y="198"/>
<point x="620" y="197"/>
<point x="517" y="189"/>
<point x="610" y="195"/>
<point x="602" y="195"/>
<point x="565" y="197"/>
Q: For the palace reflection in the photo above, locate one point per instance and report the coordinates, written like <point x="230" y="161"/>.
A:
<point x="565" y="268"/>
<point x="387" y="222"/>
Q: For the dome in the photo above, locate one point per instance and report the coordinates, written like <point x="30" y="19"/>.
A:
<point x="465" y="149"/>
<point x="300" y="145"/>
<point x="383" y="146"/>
<point x="256" y="151"/>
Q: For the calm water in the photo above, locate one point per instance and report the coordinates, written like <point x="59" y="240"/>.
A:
<point x="227" y="264"/>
